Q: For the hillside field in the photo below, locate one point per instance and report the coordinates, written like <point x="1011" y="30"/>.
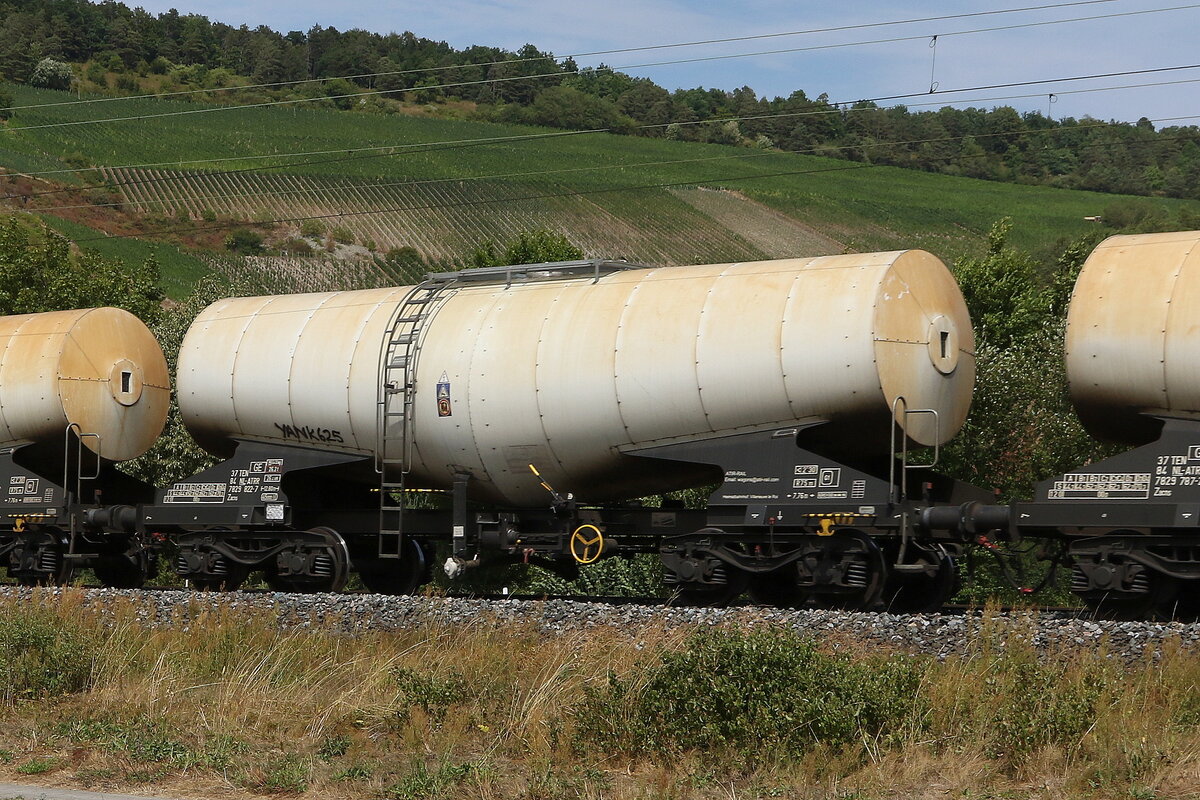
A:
<point x="448" y="185"/>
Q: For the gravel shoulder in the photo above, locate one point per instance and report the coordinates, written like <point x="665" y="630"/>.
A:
<point x="939" y="635"/>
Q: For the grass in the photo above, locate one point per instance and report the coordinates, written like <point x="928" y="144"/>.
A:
<point x="178" y="270"/>
<point x="235" y="706"/>
<point x="865" y="209"/>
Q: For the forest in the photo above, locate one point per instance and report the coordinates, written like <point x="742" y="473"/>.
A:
<point x="110" y="48"/>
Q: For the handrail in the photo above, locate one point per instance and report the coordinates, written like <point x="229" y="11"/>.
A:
<point x="80" y="435"/>
<point x="901" y="403"/>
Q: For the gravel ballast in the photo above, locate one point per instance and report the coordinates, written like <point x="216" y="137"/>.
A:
<point x="934" y="634"/>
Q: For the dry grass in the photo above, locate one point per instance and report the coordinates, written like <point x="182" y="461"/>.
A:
<point x="230" y="705"/>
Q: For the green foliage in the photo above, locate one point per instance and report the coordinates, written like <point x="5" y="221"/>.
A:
<point x="42" y="656"/>
<point x="297" y="247"/>
<point x="434" y="692"/>
<point x="244" y="241"/>
<point x="52" y="74"/>
<point x="566" y="107"/>
<point x="762" y="691"/>
<point x="1035" y="704"/>
<point x="178" y="270"/>
<point x="1022" y="427"/>
<point x="38" y="766"/>
<point x="1128" y="215"/>
<point x="529" y="247"/>
<point x="998" y="144"/>
<point x="40" y="272"/>
<point x="423" y="784"/>
<point x="633" y="576"/>
<point x="289" y="775"/>
<point x="6" y="103"/>
<point x="1002" y="290"/>
<point x="154" y="740"/>
<point x="332" y="747"/>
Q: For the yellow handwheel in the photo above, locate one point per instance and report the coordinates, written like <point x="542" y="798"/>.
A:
<point x="581" y="546"/>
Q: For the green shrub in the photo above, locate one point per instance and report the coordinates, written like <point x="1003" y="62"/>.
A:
<point x="766" y="691"/>
<point x="425" y="783"/>
<point x="1028" y="705"/>
<point x="36" y="766"/>
<point x="297" y="247"/>
<point x="432" y="692"/>
<point x="42" y="656"/>
<point x="244" y="241"/>
<point x="289" y="776"/>
<point x="342" y="235"/>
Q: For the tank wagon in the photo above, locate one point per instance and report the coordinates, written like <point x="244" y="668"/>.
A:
<point x="1129" y="522"/>
<point x="82" y="390"/>
<point x="535" y="400"/>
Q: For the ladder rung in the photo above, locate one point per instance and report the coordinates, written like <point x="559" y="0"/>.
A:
<point x="408" y="320"/>
<point x="399" y="362"/>
<point x="405" y="338"/>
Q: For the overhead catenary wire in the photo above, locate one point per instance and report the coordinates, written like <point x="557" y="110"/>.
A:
<point x="358" y="186"/>
<point x="390" y="150"/>
<point x="617" y="51"/>
<point x="566" y="73"/>
<point x="522" y="198"/>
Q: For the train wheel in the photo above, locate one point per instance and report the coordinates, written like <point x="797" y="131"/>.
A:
<point x="123" y="570"/>
<point x="328" y="570"/>
<point x="1160" y="602"/>
<point x="714" y="595"/>
<point x="396" y="575"/>
<point x="41" y="561"/>
<point x="780" y="588"/>
<point x="849" y="574"/>
<point x="917" y="593"/>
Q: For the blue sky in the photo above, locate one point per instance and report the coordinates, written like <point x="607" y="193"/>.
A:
<point x="845" y="74"/>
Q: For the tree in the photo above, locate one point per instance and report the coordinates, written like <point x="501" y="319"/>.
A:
<point x="1002" y="290"/>
<point x="530" y="247"/>
<point x="1022" y="427"/>
<point x="565" y="107"/>
<point x="40" y="272"/>
<point x="6" y="105"/>
<point x="51" y="74"/>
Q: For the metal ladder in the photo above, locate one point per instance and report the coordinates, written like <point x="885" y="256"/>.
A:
<point x="899" y="490"/>
<point x="397" y="371"/>
<point x="71" y="498"/>
<point x="394" y="406"/>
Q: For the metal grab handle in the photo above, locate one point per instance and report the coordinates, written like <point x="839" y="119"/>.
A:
<point x="80" y="435"/>
<point x="901" y="403"/>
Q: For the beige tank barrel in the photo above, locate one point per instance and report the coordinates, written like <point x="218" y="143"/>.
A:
<point x="1133" y="336"/>
<point x="98" y="368"/>
<point x="572" y="374"/>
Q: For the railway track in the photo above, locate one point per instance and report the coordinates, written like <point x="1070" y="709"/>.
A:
<point x="615" y="600"/>
<point x="961" y="631"/>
